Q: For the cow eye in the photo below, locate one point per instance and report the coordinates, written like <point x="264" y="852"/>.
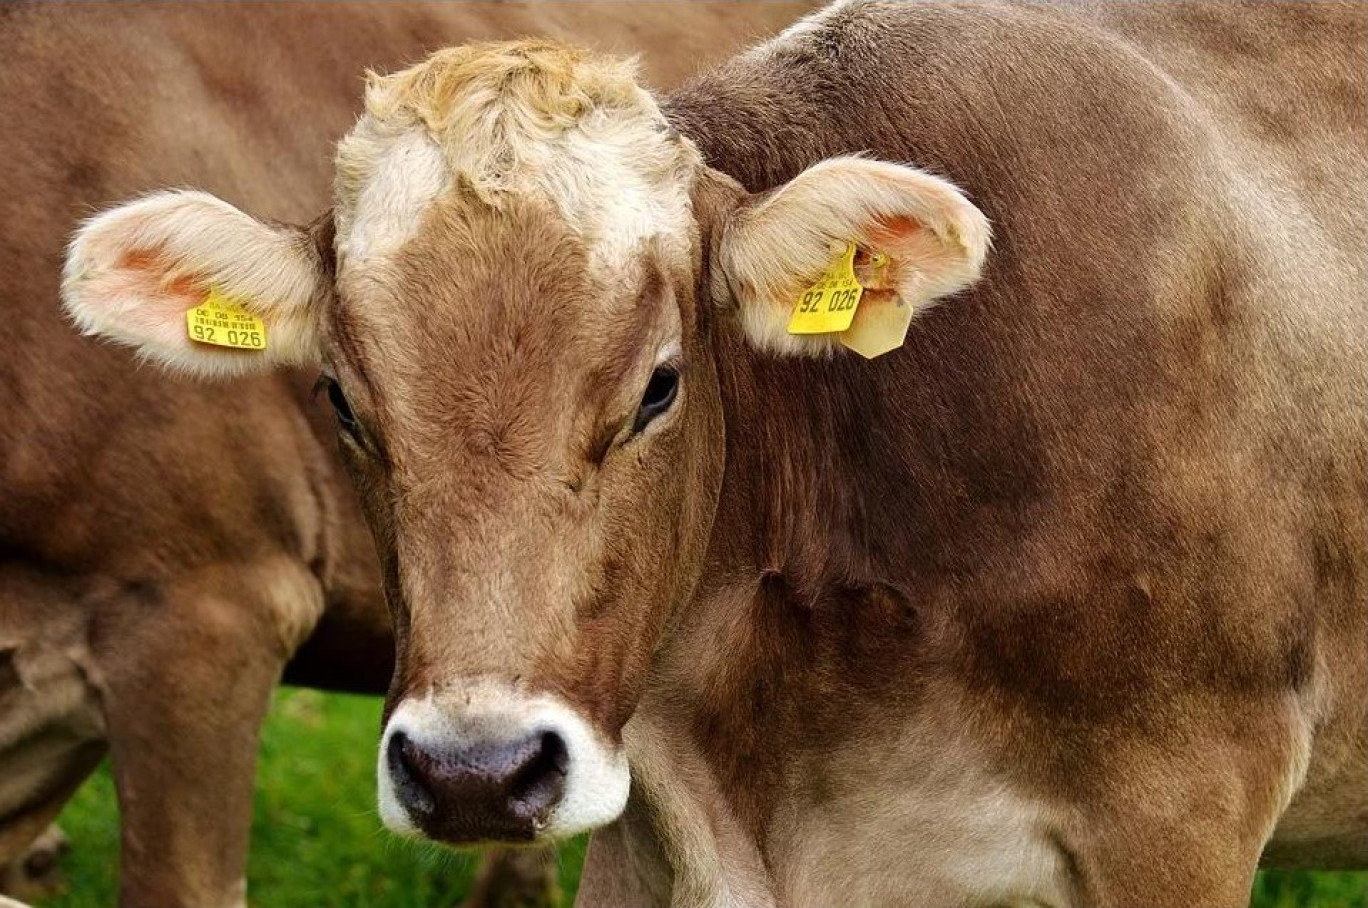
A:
<point x="346" y="419"/>
<point x="660" y="393"/>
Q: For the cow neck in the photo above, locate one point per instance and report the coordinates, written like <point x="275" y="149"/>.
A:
<point x="805" y="453"/>
<point x="802" y="608"/>
<point x="796" y="565"/>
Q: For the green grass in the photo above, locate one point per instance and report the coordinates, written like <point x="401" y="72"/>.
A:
<point x="317" y="843"/>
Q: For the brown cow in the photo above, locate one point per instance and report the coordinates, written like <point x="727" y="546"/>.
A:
<point x="164" y="548"/>
<point x="1061" y="603"/>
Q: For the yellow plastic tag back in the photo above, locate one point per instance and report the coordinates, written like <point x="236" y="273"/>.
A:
<point x="879" y="327"/>
<point x="828" y="306"/>
<point x="221" y="321"/>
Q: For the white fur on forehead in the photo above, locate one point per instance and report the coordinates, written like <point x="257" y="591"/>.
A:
<point x="404" y="173"/>
<point x="528" y="118"/>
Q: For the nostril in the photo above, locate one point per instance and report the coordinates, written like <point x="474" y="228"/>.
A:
<point x="540" y="781"/>
<point x="468" y="791"/>
<point x="404" y="763"/>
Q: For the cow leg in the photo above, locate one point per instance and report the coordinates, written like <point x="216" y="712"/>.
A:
<point x="1159" y="866"/>
<point x="189" y="669"/>
<point x="1186" y="826"/>
<point x="625" y="865"/>
<point x="31" y="845"/>
<point x="37" y="872"/>
<point x="52" y="733"/>
<point x="516" y="878"/>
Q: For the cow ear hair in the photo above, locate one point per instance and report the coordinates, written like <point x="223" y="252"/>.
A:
<point x="133" y="273"/>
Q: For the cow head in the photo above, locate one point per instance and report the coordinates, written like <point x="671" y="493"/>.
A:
<point x="515" y="305"/>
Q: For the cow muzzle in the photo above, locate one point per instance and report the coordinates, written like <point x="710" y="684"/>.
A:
<point x="483" y="763"/>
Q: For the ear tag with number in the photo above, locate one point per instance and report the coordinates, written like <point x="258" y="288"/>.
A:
<point x="828" y="306"/>
<point x="222" y="321"/>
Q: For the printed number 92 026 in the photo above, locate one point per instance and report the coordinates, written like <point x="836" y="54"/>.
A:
<point x="840" y="300"/>
<point x="231" y="337"/>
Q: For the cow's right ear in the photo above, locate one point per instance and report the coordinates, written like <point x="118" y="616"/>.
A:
<point x="134" y="272"/>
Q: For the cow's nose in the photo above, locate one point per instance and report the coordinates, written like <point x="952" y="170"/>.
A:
<point x="482" y="791"/>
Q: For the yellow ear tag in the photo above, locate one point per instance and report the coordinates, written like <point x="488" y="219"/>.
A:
<point x="881" y="324"/>
<point x="220" y="320"/>
<point x="828" y="306"/>
<point x="879" y="327"/>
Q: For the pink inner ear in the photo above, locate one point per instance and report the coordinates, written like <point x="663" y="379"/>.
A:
<point x="144" y="296"/>
<point x="898" y="238"/>
<point x="918" y="258"/>
<point x="156" y="269"/>
<point x="893" y="231"/>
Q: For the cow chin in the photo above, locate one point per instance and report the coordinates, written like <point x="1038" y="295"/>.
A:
<point x="483" y="763"/>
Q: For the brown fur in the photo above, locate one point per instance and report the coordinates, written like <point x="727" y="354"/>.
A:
<point x="180" y="540"/>
<point x="1130" y="535"/>
<point x="522" y="472"/>
<point x="1096" y="533"/>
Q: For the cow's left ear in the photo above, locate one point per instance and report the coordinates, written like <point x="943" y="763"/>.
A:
<point x="919" y="236"/>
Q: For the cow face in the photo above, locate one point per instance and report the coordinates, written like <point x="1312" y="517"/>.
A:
<point x="515" y="306"/>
